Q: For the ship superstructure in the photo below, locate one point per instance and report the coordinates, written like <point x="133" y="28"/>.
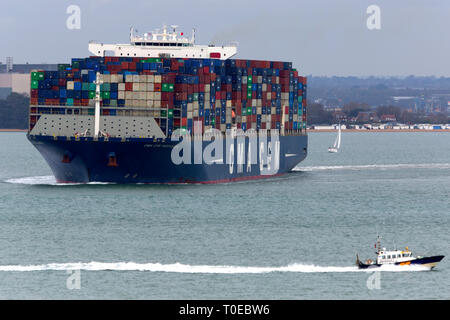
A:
<point x="168" y="44"/>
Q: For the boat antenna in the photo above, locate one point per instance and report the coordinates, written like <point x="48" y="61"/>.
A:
<point x="378" y="244"/>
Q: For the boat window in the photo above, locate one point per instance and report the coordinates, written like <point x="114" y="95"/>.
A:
<point x="388" y="256"/>
<point x="383" y="257"/>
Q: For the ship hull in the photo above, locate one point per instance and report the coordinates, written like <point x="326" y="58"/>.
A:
<point x="149" y="161"/>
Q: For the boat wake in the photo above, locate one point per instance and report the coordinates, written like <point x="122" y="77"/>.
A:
<point x="376" y="167"/>
<point x="46" y="181"/>
<point x="201" y="269"/>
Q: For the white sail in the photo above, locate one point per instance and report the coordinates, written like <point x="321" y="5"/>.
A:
<point x="337" y="142"/>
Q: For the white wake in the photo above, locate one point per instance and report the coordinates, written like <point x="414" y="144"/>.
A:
<point x="46" y="180"/>
<point x="376" y="166"/>
<point x="203" y="269"/>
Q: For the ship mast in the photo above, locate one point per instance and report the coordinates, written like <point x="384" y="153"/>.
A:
<point x="97" y="105"/>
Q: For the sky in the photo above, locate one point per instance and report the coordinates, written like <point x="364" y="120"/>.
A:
<point x="320" y="37"/>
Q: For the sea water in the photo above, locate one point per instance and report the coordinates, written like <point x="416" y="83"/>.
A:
<point x="290" y="237"/>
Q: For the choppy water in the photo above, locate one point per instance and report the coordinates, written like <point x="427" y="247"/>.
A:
<point x="293" y="237"/>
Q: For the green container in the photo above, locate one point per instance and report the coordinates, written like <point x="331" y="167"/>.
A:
<point x="91" y="94"/>
<point x="38" y="76"/>
<point x="92" y="86"/>
<point x="163" y="113"/>
<point x="171" y="87"/>
<point x="300" y="99"/>
<point x="69" y="102"/>
<point x="91" y="112"/>
<point x="85" y="86"/>
<point x="76" y="64"/>
<point x="148" y="60"/>
<point x="249" y="111"/>
<point x="170" y="113"/>
<point x="249" y="87"/>
<point x="34" y="84"/>
<point x="249" y="95"/>
<point x="105" y="95"/>
<point x="249" y="79"/>
<point x="113" y="103"/>
<point x="165" y="87"/>
<point x="300" y="111"/>
<point x="195" y="96"/>
<point x="213" y="121"/>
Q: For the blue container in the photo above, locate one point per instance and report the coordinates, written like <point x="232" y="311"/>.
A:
<point x="84" y="94"/>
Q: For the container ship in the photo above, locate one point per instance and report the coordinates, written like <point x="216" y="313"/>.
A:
<point x="162" y="109"/>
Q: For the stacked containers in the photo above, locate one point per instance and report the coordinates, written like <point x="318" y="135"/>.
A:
<point x="177" y="92"/>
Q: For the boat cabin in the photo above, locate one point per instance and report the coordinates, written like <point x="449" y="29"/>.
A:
<point x="386" y="257"/>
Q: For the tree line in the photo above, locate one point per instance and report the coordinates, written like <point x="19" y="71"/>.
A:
<point x="318" y="115"/>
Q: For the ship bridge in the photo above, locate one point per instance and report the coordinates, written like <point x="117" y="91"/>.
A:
<point x="156" y="44"/>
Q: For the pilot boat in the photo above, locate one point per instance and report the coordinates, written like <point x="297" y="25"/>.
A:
<point x="397" y="257"/>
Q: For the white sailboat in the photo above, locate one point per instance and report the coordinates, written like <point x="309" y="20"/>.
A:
<point x="337" y="142"/>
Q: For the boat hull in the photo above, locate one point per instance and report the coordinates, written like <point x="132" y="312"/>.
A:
<point x="149" y="161"/>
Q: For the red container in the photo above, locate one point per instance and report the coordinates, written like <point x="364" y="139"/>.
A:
<point x="128" y="86"/>
<point x="157" y="87"/>
<point x="181" y="87"/>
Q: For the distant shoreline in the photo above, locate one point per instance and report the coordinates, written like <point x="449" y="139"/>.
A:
<point x="380" y="130"/>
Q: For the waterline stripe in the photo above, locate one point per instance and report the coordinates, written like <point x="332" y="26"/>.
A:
<point x="376" y="166"/>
